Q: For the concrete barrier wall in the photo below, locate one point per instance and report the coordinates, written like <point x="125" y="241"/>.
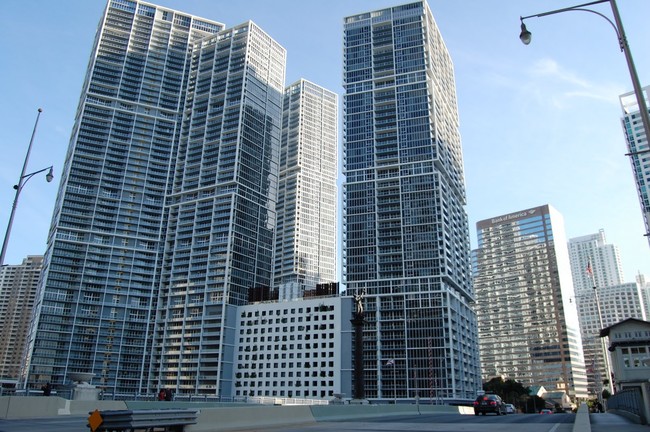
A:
<point x="582" y="423"/>
<point x="214" y="417"/>
<point x="17" y="407"/>
<point x="342" y="412"/>
<point x="223" y="419"/>
<point x="82" y="408"/>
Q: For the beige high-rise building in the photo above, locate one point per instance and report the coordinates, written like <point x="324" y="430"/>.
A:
<point x="18" y="285"/>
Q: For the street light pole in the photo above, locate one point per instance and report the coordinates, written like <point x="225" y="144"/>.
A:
<point x="19" y="187"/>
<point x="526" y="37"/>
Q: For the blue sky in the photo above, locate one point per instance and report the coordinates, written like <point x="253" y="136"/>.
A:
<point x="540" y="123"/>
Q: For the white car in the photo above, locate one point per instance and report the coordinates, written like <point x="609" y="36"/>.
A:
<point x="510" y="409"/>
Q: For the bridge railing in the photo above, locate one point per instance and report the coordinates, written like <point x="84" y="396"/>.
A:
<point x="628" y="400"/>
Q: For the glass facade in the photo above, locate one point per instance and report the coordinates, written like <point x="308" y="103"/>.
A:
<point x="221" y="208"/>
<point x="638" y="148"/>
<point x="528" y="322"/>
<point x="406" y="241"/>
<point x="166" y="206"/>
<point x="305" y="247"/>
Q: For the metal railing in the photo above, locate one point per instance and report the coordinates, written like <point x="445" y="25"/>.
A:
<point x="629" y="400"/>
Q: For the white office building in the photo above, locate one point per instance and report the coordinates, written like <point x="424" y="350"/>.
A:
<point x="294" y="349"/>
<point x="644" y="287"/>
<point x="601" y="257"/>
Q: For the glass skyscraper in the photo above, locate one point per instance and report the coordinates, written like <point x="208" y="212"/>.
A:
<point x="305" y="253"/>
<point x="406" y="238"/>
<point x="528" y="322"/>
<point x="221" y="207"/>
<point x="166" y="209"/>
<point x="639" y="150"/>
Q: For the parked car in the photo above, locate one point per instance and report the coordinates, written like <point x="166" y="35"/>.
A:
<point x="546" y="411"/>
<point x="510" y="409"/>
<point x="489" y="403"/>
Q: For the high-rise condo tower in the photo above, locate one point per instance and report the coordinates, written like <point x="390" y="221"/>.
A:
<point x="166" y="210"/>
<point x="306" y="228"/>
<point x="406" y="239"/>
<point x="638" y="148"/>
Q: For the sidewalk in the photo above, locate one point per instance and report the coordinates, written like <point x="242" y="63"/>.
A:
<point x="606" y="422"/>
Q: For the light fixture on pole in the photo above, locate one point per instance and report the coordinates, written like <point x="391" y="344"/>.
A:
<point x="525" y="35"/>
<point x="22" y="180"/>
<point x="617" y="25"/>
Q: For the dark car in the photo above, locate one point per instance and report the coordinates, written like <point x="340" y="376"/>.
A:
<point x="489" y="403"/>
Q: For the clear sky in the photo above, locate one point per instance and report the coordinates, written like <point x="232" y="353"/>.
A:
<point x="540" y="124"/>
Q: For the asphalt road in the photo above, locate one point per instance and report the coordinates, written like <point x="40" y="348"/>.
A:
<point x="444" y="423"/>
<point x="417" y="423"/>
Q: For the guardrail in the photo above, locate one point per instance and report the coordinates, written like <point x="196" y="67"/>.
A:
<point x="130" y="420"/>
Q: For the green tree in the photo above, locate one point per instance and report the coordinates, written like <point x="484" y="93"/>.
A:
<point x="510" y="391"/>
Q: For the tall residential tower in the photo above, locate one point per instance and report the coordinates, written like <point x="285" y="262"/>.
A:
<point x="220" y="209"/>
<point x="166" y="209"/>
<point x="638" y="149"/>
<point x="603" y="260"/>
<point x="406" y="239"/>
<point x="528" y="323"/>
<point x="305" y="251"/>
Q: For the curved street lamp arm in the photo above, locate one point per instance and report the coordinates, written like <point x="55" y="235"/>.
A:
<point x="566" y="9"/>
<point x="621" y="39"/>
<point x="617" y="25"/>
<point x="24" y="179"/>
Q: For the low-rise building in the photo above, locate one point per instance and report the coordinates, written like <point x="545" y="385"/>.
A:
<point x="629" y="347"/>
<point x="294" y="349"/>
